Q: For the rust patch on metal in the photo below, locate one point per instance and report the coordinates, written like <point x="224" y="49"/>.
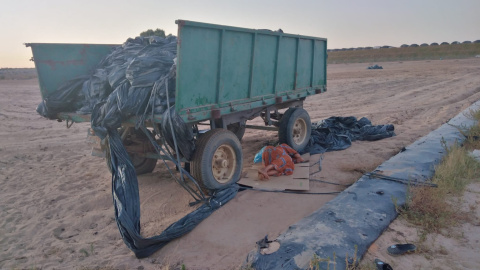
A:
<point x="216" y="113"/>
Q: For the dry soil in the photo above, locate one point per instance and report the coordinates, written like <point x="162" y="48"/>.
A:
<point x="56" y="207"/>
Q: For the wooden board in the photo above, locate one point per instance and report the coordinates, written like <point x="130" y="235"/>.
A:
<point x="299" y="180"/>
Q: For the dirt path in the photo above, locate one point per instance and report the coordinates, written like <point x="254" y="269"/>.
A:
<point x="55" y="202"/>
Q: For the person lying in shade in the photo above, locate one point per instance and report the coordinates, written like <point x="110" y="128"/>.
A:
<point x="278" y="161"/>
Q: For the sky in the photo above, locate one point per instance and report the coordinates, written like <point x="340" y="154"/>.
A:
<point x="345" y="23"/>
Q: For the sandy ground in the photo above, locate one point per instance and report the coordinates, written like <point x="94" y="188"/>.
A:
<point x="454" y="249"/>
<point x="56" y="208"/>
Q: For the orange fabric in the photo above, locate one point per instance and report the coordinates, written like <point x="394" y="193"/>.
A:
<point x="280" y="157"/>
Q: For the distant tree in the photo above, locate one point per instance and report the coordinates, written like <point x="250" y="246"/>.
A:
<point x="157" y="32"/>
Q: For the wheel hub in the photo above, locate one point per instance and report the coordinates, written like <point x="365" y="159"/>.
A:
<point x="223" y="163"/>
<point x="299" y="131"/>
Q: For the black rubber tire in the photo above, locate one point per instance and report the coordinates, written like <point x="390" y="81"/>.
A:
<point x="237" y="128"/>
<point x="287" y="128"/>
<point x="141" y="165"/>
<point x="202" y="162"/>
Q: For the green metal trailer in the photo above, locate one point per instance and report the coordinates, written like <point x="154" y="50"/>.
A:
<point x="225" y="77"/>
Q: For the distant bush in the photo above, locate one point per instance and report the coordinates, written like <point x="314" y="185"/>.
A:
<point x="157" y="32"/>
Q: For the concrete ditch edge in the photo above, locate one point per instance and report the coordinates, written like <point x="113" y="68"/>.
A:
<point x="354" y="219"/>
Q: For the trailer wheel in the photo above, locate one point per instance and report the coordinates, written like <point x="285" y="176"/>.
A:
<point x="142" y="165"/>
<point x="237" y="128"/>
<point x="295" y="128"/>
<point x="218" y="158"/>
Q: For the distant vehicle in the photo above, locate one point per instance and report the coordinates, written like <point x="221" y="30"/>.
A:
<point x="404" y="46"/>
<point x="434" y="44"/>
<point x="444" y="43"/>
<point x="414" y="45"/>
<point x="368" y="48"/>
<point x="466" y="42"/>
<point x="423" y="45"/>
<point x="455" y="42"/>
<point x="386" y="47"/>
<point x="376" y="47"/>
<point x="477" y="41"/>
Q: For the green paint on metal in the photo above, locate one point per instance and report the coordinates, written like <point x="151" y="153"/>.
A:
<point x="203" y="113"/>
<point x="197" y="67"/>
<point x="57" y="63"/>
<point x="77" y="118"/>
<point x="220" y="66"/>
<point x="304" y="66"/>
<point x="320" y="60"/>
<point x="286" y="66"/>
<point x="264" y="66"/>
<point x="236" y="78"/>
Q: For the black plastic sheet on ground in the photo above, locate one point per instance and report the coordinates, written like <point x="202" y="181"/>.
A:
<point x="126" y="202"/>
<point x="338" y="133"/>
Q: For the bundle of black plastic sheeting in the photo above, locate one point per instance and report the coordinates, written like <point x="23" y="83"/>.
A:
<point x="184" y="133"/>
<point x="338" y="133"/>
<point x="147" y="65"/>
<point x="140" y="62"/>
<point x="67" y="97"/>
<point x="161" y="102"/>
<point x="126" y="202"/>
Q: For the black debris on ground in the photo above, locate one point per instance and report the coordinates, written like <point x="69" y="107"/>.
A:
<point x="375" y="67"/>
<point x="338" y="133"/>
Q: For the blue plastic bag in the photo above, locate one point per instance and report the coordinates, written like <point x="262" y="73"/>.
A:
<point x="258" y="156"/>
